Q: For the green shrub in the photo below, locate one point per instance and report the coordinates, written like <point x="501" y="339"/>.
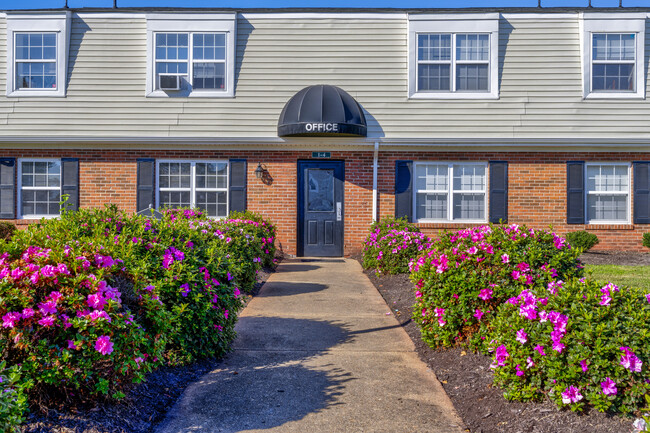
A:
<point x="590" y="336"/>
<point x="467" y="275"/>
<point x="582" y="239"/>
<point x="646" y="239"/>
<point x="95" y="299"/>
<point x="7" y="230"/>
<point x="261" y="229"/>
<point x="391" y="244"/>
<point x="13" y="401"/>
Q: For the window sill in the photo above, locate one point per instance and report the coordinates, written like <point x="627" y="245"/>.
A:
<point x="185" y="94"/>
<point x="455" y="95"/>
<point x="36" y="94"/>
<point x="614" y="95"/>
<point x="609" y="226"/>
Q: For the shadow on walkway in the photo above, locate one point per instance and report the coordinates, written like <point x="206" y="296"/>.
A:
<point x="290" y="289"/>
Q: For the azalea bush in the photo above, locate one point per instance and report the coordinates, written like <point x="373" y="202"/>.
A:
<point x="13" y="401"/>
<point x="578" y="342"/>
<point x="391" y="244"/>
<point x="466" y="275"/>
<point x="94" y="300"/>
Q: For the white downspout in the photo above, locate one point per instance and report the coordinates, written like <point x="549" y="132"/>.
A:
<point x="375" y="166"/>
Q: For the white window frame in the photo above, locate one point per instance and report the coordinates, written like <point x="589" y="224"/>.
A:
<point x="191" y="24"/>
<point x="454" y="25"/>
<point x="628" y="194"/>
<point x="450" y="192"/>
<point x="193" y="189"/>
<point x="616" y="23"/>
<point x="20" y="187"/>
<point x="57" y="23"/>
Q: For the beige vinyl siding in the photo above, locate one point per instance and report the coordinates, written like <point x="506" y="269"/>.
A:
<point x="539" y="67"/>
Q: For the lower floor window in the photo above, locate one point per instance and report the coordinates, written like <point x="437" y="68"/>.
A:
<point x="201" y="184"/>
<point x="40" y="187"/>
<point x="608" y="193"/>
<point x="450" y="191"/>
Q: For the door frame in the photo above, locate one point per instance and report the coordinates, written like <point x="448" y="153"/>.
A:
<point x="300" y="234"/>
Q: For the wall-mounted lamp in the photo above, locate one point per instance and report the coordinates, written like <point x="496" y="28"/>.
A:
<point x="260" y="170"/>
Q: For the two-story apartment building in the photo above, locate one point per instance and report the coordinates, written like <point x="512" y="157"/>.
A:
<point x="324" y="120"/>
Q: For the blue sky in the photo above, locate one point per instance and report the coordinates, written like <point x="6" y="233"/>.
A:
<point x="37" y="4"/>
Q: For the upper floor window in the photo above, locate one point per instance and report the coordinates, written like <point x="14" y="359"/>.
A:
<point x="453" y="56"/>
<point x="613" y="55"/>
<point x="37" y="47"/>
<point x="191" y="55"/>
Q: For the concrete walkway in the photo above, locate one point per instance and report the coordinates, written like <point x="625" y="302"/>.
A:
<point x="316" y="352"/>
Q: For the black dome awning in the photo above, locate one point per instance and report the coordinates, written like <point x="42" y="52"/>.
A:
<point x="322" y="111"/>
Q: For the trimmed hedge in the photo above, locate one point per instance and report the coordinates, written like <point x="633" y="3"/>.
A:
<point x="582" y="239"/>
<point x="94" y="300"/>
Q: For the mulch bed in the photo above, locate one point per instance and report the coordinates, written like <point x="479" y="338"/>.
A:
<point x="467" y="377"/>
<point x="616" y="258"/>
<point x="145" y="405"/>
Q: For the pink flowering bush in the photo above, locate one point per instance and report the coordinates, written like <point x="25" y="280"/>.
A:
<point x="391" y="244"/>
<point x="466" y="275"/>
<point x="94" y="300"/>
<point x="13" y="400"/>
<point x="587" y="343"/>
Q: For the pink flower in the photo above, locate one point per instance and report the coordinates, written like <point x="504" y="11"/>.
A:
<point x="27" y="313"/>
<point x="48" y="271"/>
<point x="48" y="307"/>
<point x="505" y="258"/>
<point x="96" y="301"/>
<point x="608" y="386"/>
<point x="501" y="355"/>
<point x="236" y="292"/>
<point x="630" y="361"/>
<point x="529" y="362"/>
<point x="71" y="345"/>
<point x="225" y="314"/>
<point x="104" y="345"/>
<point x="606" y="298"/>
<point x="516" y="274"/>
<point x="522" y="337"/>
<point x="478" y="314"/>
<point x="418" y="294"/>
<point x="9" y="320"/>
<point x="571" y="395"/>
<point x="583" y="365"/>
<point x="485" y="294"/>
<point x="647" y="297"/>
<point x="540" y="349"/>
<point x="519" y="372"/>
<point x="558" y="347"/>
<point x="47" y="321"/>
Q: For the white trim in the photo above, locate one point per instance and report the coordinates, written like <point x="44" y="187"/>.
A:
<point x="628" y="194"/>
<point x="110" y="15"/>
<point x="450" y="192"/>
<point x="454" y="24"/>
<point x="539" y="16"/>
<point x="192" y="23"/>
<point x="375" y="169"/>
<point x="193" y="189"/>
<point x="625" y="23"/>
<point x="58" y="23"/>
<point x="324" y="15"/>
<point x="19" y="187"/>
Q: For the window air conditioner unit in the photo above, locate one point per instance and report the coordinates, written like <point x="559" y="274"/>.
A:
<point x="169" y="82"/>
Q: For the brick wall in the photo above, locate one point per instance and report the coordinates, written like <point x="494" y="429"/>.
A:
<point x="537" y="187"/>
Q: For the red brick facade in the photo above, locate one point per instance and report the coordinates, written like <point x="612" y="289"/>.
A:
<point x="537" y="187"/>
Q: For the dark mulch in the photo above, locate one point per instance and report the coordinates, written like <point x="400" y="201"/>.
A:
<point x="467" y="379"/>
<point x="616" y="258"/>
<point x="145" y="405"/>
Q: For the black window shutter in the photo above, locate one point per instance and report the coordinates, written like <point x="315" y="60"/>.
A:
<point x="575" y="206"/>
<point x="7" y="188"/>
<point x="498" y="191"/>
<point x="237" y="185"/>
<point x="146" y="195"/>
<point x="70" y="182"/>
<point x="404" y="189"/>
<point x="642" y="193"/>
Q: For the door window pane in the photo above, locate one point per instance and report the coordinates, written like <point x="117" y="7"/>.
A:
<point x="320" y="190"/>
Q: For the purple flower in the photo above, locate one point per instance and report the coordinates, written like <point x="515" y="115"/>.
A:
<point x="558" y="347"/>
<point x="571" y="395"/>
<point x="97" y="314"/>
<point x="48" y="271"/>
<point x="647" y="297"/>
<point x="501" y="355"/>
<point x="485" y="294"/>
<point x="186" y="290"/>
<point x="47" y="321"/>
<point x="522" y="337"/>
<point x="230" y="277"/>
<point x="27" y="313"/>
<point x="9" y="320"/>
<point x="149" y="288"/>
<point x="630" y="361"/>
<point x="236" y="292"/>
<point x="606" y="298"/>
<point x="608" y="386"/>
<point x="71" y="345"/>
<point x="583" y="365"/>
<point x="516" y="274"/>
<point x="168" y="259"/>
<point x="540" y="349"/>
<point x="96" y="301"/>
<point x="478" y="314"/>
<point x="48" y="307"/>
<point x="519" y="372"/>
<point x="104" y="345"/>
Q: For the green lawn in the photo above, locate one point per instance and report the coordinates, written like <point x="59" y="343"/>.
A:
<point x="634" y="276"/>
